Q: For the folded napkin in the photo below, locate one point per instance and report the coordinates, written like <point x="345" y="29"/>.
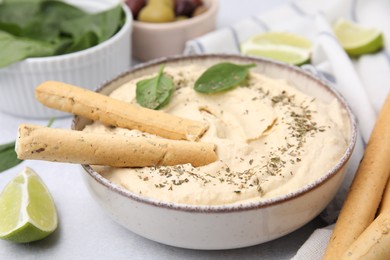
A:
<point x="364" y="82"/>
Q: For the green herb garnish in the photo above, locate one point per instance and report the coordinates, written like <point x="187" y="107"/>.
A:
<point x="222" y="77"/>
<point x="155" y="92"/>
<point x="47" y="28"/>
<point x="8" y="157"/>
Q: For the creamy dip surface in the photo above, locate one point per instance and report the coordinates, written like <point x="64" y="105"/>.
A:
<point x="271" y="139"/>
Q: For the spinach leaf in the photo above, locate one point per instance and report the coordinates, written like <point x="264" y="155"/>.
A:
<point x="96" y="28"/>
<point x="14" y="17"/>
<point x="42" y="28"/>
<point x="222" y="77"/>
<point x="155" y="92"/>
<point x="46" y="24"/>
<point x="8" y="158"/>
<point x="14" y="49"/>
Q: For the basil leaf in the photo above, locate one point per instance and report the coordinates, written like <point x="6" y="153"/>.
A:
<point x="154" y="92"/>
<point x="222" y="77"/>
<point x="8" y="157"/>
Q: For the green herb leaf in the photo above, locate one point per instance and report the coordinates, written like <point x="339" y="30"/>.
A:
<point x="40" y="28"/>
<point x="96" y="28"/>
<point x="222" y="77"/>
<point x="13" y="49"/>
<point x="8" y="158"/>
<point x="51" y="121"/>
<point x="155" y="92"/>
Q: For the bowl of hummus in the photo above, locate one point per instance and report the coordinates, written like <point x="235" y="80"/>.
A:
<point x="282" y="139"/>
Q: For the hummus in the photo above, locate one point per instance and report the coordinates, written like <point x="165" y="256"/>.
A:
<point x="271" y="139"/>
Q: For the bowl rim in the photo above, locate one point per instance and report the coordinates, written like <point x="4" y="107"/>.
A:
<point x="119" y="34"/>
<point x="211" y="11"/>
<point x="236" y="207"/>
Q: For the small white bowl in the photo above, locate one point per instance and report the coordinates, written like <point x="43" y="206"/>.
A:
<point x="87" y="68"/>
<point x="156" y="40"/>
<point x="226" y="226"/>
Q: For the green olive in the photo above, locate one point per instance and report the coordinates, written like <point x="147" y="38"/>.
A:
<point x="166" y="2"/>
<point x="156" y="13"/>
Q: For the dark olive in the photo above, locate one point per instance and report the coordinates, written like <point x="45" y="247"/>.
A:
<point x="184" y="7"/>
<point x="135" y="6"/>
<point x="197" y="2"/>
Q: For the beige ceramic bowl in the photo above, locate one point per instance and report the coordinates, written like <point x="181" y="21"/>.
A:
<point x="156" y="40"/>
<point x="225" y="226"/>
<point x="86" y="68"/>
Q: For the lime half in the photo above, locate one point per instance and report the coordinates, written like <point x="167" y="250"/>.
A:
<point x="27" y="210"/>
<point x="280" y="46"/>
<point x="356" y="39"/>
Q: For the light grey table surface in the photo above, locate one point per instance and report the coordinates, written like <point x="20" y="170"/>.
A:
<point x="85" y="232"/>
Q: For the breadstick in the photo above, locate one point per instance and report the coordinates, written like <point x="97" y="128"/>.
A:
<point x="114" y="112"/>
<point x="61" y="145"/>
<point x="374" y="242"/>
<point x="385" y="203"/>
<point x="366" y="190"/>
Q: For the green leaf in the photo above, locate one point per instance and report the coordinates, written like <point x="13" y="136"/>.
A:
<point x="46" y="24"/>
<point x="155" y="92"/>
<point x="8" y="157"/>
<point x="96" y="28"/>
<point x="40" y="28"/>
<point x="222" y="77"/>
<point x="51" y="121"/>
<point x="15" y="16"/>
<point x="13" y="49"/>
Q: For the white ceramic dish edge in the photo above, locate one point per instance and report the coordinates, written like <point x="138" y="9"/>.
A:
<point x="87" y="68"/>
<point x="155" y="40"/>
<point x="227" y="226"/>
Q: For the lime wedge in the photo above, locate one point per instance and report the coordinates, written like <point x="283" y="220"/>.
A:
<point x="356" y="39"/>
<point x="280" y="46"/>
<point x="27" y="210"/>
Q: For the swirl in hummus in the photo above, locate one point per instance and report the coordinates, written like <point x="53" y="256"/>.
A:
<point x="271" y="139"/>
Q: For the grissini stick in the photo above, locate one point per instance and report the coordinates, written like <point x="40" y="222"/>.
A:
<point x="385" y="203"/>
<point x="374" y="242"/>
<point x="366" y="190"/>
<point x="61" y="145"/>
<point x="110" y="111"/>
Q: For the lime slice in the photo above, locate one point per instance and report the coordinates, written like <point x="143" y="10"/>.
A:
<point x="280" y="46"/>
<point x="356" y="39"/>
<point x="27" y="210"/>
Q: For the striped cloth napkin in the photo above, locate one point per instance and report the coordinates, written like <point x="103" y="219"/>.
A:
<point x="364" y="82"/>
